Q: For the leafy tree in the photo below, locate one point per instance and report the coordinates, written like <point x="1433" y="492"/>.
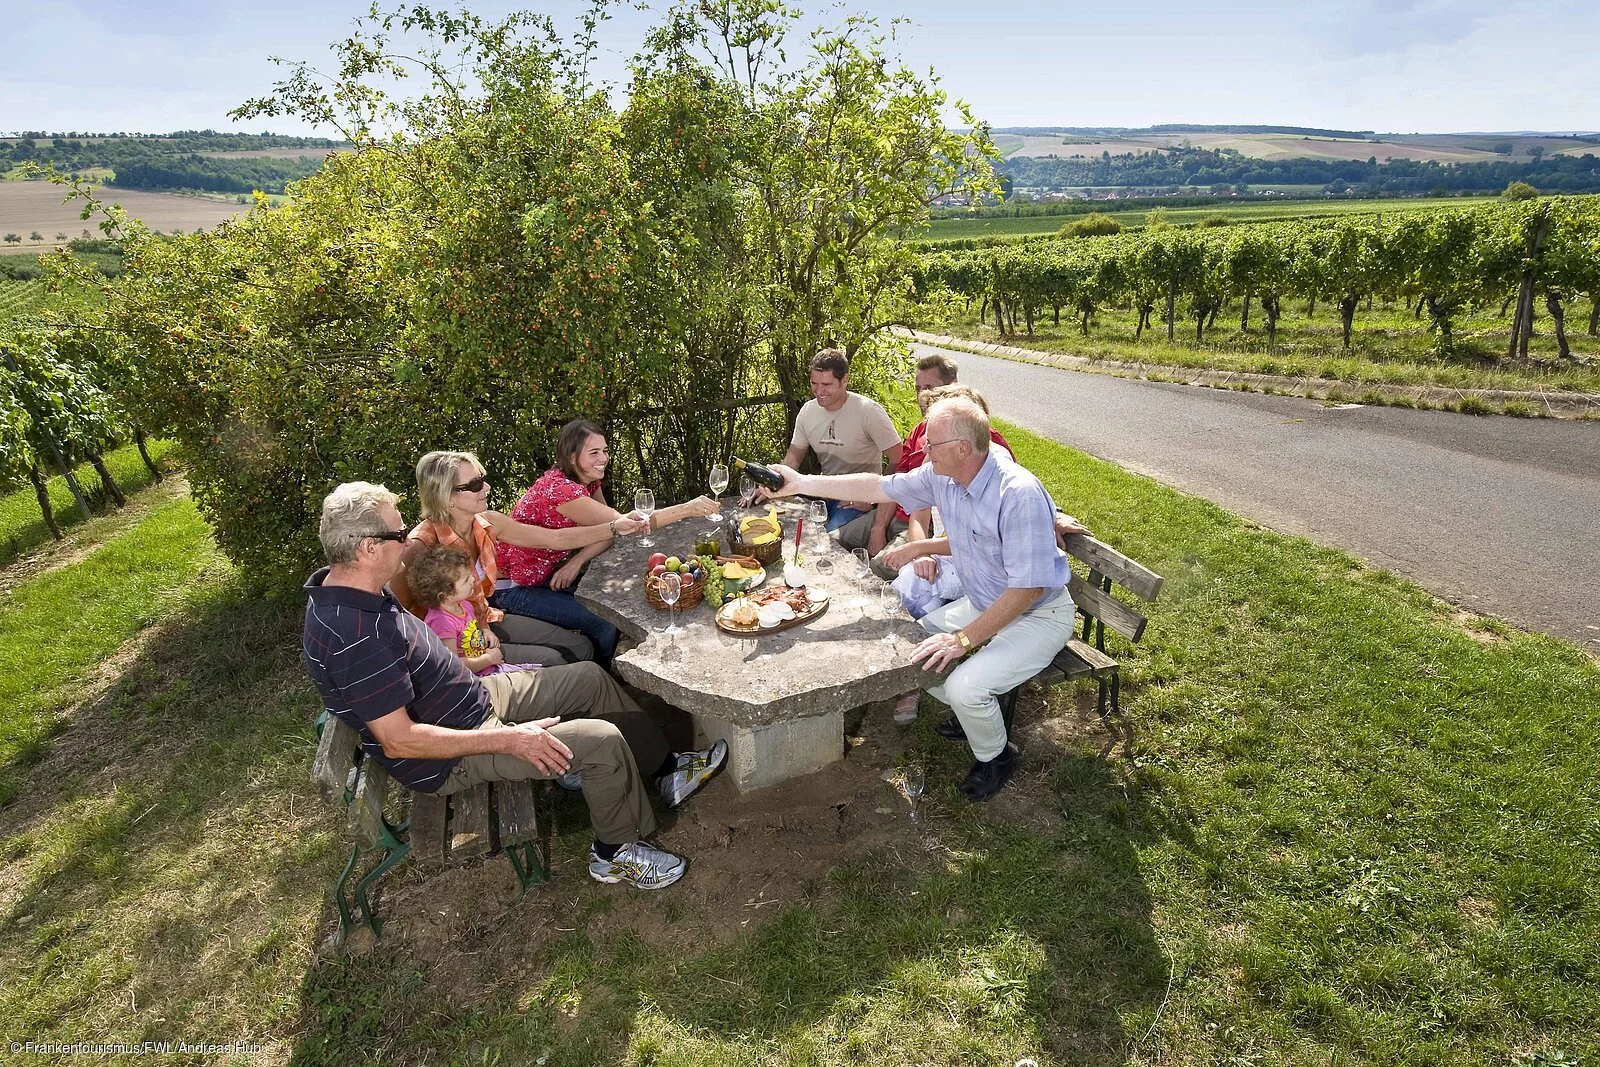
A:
<point x="1519" y="191"/>
<point x="35" y="236"/>
<point x="13" y="239"/>
<point x="508" y="251"/>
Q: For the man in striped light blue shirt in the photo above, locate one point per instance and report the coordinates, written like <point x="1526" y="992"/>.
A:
<point x="1016" y="613"/>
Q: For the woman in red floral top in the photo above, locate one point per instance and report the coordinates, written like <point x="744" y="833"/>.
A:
<point x="566" y="496"/>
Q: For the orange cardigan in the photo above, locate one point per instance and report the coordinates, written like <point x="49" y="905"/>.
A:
<point x="481" y="552"/>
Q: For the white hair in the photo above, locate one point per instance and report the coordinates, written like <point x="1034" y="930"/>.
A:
<point x="964" y="420"/>
<point x="350" y="516"/>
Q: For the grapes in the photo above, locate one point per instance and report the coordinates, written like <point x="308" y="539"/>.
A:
<point x="713" y="580"/>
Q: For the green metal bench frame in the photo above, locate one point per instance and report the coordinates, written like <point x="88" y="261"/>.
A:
<point x="503" y="817"/>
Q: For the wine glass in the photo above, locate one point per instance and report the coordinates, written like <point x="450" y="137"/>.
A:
<point x="718" y="483"/>
<point x="670" y="585"/>
<point x="747" y="491"/>
<point x="644" y="502"/>
<point x="817" y="519"/>
<point x="913" y="783"/>
<point x="822" y="568"/>
<point x="893" y="611"/>
<point x="863" y="562"/>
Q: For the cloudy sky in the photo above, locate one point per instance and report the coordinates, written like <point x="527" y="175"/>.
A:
<point x="1394" y="67"/>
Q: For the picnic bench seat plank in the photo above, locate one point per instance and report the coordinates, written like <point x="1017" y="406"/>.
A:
<point x="514" y="810"/>
<point x="429" y="814"/>
<point x="366" y="807"/>
<point x="1133" y="576"/>
<point x="1084" y="659"/>
<point x="1106" y="608"/>
<point x="1078" y="660"/>
<point x="336" y="755"/>
<point x="469" y="824"/>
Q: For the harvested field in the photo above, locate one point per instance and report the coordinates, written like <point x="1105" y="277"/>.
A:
<point x="26" y="207"/>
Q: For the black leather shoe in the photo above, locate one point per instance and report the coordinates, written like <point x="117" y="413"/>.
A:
<point x="988" y="776"/>
<point x="951" y="729"/>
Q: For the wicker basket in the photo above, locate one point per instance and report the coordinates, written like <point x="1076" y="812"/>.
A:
<point x="767" y="554"/>
<point x="688" y="597"/>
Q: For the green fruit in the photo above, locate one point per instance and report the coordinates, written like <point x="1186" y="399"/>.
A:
<point x="673" y="563"/>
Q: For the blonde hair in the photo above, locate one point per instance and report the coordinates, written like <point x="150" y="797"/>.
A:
<point x="433" y="572"/>
<point x="953" y="390"/>
<point x="436" y="481"/>
<point x="964" y="419"/>
<point x="350" y="516"/>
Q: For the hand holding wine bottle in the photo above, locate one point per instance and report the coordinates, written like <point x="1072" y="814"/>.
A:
<point x="775" y="479"/>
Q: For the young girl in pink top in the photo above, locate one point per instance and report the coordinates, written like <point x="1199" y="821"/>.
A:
<point x="443" y="579"/>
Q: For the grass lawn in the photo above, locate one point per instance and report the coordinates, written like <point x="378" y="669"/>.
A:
<point x="1357" y="826"/>
<point x="1389" y="347"/>
<point x="22" y="528"/>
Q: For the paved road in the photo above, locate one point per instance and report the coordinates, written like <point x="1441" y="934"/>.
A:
<point x="1501" y="515"/>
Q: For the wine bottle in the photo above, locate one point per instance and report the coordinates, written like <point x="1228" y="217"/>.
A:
<point x="762" y="475"/>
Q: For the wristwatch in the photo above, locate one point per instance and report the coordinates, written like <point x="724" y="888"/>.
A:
<point x="966" y="642"/>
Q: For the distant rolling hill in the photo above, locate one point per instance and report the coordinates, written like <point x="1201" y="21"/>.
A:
<point x="1440" y="147"/>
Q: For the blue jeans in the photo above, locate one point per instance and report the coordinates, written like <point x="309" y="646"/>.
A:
<point x="841" y="516"/>
<point x="559" y="606"/>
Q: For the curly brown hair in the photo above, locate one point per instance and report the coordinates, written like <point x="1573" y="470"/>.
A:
<point x="433" y="572"/>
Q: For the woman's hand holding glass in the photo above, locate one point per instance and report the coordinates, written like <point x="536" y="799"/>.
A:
<point x="718" y="483"/>
<point x="630" y="524"/>
<point x="644" y="502"/>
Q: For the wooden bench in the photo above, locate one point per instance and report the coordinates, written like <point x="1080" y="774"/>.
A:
<point x="1085" y="658"/>
<point x="440" y="830"/>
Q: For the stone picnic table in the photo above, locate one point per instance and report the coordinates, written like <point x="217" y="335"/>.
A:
<point x="778" y="700"/>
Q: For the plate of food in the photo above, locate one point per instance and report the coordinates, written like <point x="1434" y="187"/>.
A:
<point x="741" y="573"/>
<point x="770" y="611"/>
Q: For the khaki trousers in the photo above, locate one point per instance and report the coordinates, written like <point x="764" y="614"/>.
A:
<point x="610" y="739"/>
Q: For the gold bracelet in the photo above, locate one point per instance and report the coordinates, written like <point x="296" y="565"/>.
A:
<point x="966" y="642"/>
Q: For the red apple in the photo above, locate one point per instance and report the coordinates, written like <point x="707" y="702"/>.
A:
<point x="656" y="560"/>
<point x="659" y="569"/>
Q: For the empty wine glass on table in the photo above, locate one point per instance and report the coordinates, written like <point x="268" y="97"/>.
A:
<point x="863" y="562"/>
<point x="644" y="502"/>
<point x="891" y="608"/>
<point x="913" y="783"/>
<point x="670" y="586"/>
<point x="719" y="484"/>
<point x="817" y="523"/>
<point x="747" y="491"/>
<point x="823" y="569"/>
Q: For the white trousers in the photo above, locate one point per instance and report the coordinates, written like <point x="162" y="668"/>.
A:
<point x="1006" y="660"/>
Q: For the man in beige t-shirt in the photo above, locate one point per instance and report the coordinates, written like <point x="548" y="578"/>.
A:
<point x="849" y="433"/>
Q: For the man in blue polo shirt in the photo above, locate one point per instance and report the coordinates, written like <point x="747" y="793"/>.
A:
<point x="1016" y="613"/>
<point x="438" y="728"/>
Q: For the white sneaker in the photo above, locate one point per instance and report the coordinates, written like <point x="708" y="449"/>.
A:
<point x="640" y="864"/>
<point x="695" y="769"/>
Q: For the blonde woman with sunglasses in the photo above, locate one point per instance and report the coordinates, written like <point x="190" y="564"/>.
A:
<point x="453" y="491"/>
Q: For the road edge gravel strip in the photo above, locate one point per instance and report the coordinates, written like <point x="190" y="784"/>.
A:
<point x="1549" y="403"/>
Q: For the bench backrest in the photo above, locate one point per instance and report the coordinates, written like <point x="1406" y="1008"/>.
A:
<point x="1109" y="568"/>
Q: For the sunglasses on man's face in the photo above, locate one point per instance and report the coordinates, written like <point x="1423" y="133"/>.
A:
<point x="473" y="486"/>
<point x="397" y="536"/>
